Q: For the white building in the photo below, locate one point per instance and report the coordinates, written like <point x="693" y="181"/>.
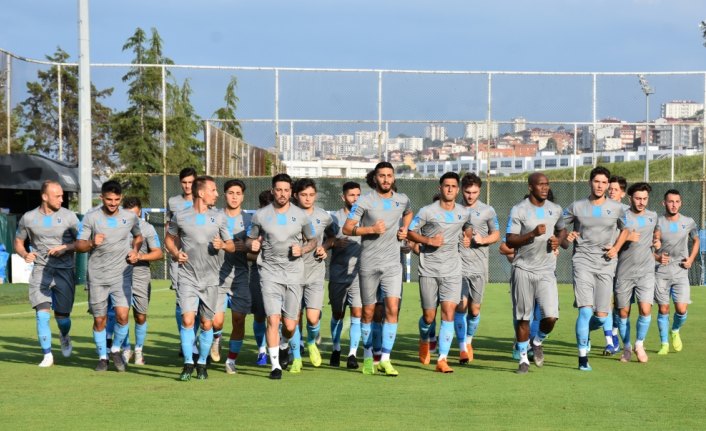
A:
<point x="370" y="142"/>
<point x="329" y="168"/>
<point x="435" y="132"/>
<point x="519" y="124"/>
<point x="480" y="130"/>
<point x="681" y="109"/>
<point x="411" y="143"/>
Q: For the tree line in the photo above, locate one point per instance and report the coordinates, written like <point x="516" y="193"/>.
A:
<point x="123" y="141"/>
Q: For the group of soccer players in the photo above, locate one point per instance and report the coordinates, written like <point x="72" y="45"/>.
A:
<point x="272" y="264"/>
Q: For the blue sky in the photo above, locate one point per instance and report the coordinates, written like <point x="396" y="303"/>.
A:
<point x="517" y="35"/>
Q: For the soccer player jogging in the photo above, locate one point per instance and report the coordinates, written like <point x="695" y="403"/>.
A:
<point x="438" y="228"/>
<point x="535" y="229"/>
<point x="112" y="236"/>
<point x="596" y="221"/>
<point x="51" y="231"/>
<point x="175" y="204"/>
<point x="634" y="276"/>
<point x="381" y="218"/>
<point x="202" y="232"/>
<point x="287" y="235"/>
<point x="674" y="259"/>
<point x="344" y="285"/>
<point x="617" y="187"/>
<point x="234" y="278"/>
<point x="150" y="251"/>
<point x="314" y="273"/>
<point x="486" y="231"/>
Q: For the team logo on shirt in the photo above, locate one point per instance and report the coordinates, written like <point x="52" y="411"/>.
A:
<point x="397" y="203"/>
<point x="459" y="216"/>
<point x="58" y="220"/>
<point x="123" y="221"/>
<point x="213" y="219"/>
<point x="294" y="219"/>
<point x="607" y="211"/>
<point x="683" y="226"/>
<point x="318" y="221"/>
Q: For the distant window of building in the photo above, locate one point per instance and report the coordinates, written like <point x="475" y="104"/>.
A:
<point x="493" y="165"/>
<point x="564" y="162"/>
<point x="619" y="158"/>
<point x="587" y="161"/>
<point x="605" y="159"/>
<point x="518" y="164"/>
<point x="550" y="163"/>
<point x="538" y="164"/>
<point x="506" y="163"/>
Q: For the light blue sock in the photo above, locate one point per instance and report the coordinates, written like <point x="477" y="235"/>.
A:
<point x="64" y="324"/>
<point x="126" y="340"/>
<point x="234" y="346"/>
<point x="582" y="326"/>
<point x="624" y="329"/>
<point x="44" y="331"/>
<point x="541" y="336"/>
<point x="99" y="338"/>
<point x="336" y="329"/>
<point x="177" y="314"/>
<point x="312" y="331"/>
<point x="377" y="336"/>
<point x="663" y="326"/>
<point x="424" y="330"/>
<point x="534" y="321"/>
<point x="295" y="344"/>
<point x="643" y="324"/>
<point x="595" y="322"/>
<point x="608" y="324"/>
<point x="354" y="333"/>
<point x="205" y="342"/>
<point x="119" y="335"/>
<point x="258" y="329"/>
<point x="140" y="335"/>
<point x="389" y="333"/>
<point x="460" y="327"/>
<point x="446" y="336"/>
<point x="110" y="322"/>
<point x="472" y="322"/>
<point x="522" y="347"/>
<point x="366" y="333"/>
<point x="679" y="320"/>
<point x="187" y="344"/>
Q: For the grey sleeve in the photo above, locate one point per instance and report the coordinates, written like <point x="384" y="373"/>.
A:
<point x="253" y="230"/>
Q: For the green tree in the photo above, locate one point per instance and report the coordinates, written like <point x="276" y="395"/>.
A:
<point x="16" y="145"/>
<point x="138" y="128"/>
<point x="231" y="125"/>
<point x="182" y="125"/>
<point x="39" y="116"/>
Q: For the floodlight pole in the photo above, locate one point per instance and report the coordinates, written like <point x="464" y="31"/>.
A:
<point x="647" y="90"/>
<point x="84" y="109"/>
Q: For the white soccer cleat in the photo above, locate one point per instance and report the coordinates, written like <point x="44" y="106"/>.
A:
<point x="127" y="355"/>
<point x="48" y="361"/>
<point x="139" y="358"/>
<point x="66" y="346"/>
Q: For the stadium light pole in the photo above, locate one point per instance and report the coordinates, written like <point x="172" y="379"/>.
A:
<point x="647" y="90"/>
<point x="84" y="110"/>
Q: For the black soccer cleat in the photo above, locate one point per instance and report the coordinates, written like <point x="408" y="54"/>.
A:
<point x="523" y="368"/>
<point x="201" y="372"/>
<point x="276" y="374"/>
<point x="352" y="363"/>
<point x="186" y="372"/>
<point x="102" y="365"/>
<point x="118" y="361"/>
<point x="335" y="360"/>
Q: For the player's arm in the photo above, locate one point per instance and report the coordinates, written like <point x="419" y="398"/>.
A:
<point x="20" y="249"/>
<point x="309" y="245"/>
<point x="622" y="238"/>
<point x="85" y="241"/>
<point x="686" y="263"/>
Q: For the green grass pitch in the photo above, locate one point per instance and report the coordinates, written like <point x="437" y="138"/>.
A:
<point x="665" y="393"/>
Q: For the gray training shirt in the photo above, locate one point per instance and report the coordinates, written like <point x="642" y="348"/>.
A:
<point x="238" y="261"/>
<point x="150" y="241"/>
<point x="635" y="259"/>
<point x="344" y="261"/>
<point x="431" y="220"/>
<point x="380" y="251"/>
<point x="196" y="232"/>
<point x="177" y="203"/>
<point x="314" y="268"/>
<point x="107" y="262"/>
<point x="279" y="232"/>
<point x="598" y="226"/>
<point x="48" y="231"/>
<point x="484" y="221"/>
<point x="536" y="256"/>
<point x="675" y="241"/>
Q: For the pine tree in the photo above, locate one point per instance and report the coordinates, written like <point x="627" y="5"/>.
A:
<point x="182" y="125"/>
<point x="39" y="117"/>
<point x="138" y="128"/>
<point x="232" y="125"/>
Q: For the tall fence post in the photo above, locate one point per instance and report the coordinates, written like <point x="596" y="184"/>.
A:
<point x="380" y="116"/>
<point x="595" y="113"/>
<point x="490" y="137"/>
<point x="8" y="103"/>
<point x="164" y="135"/>
<point x="277" y="143"/>
<point x="61" y="125"/>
